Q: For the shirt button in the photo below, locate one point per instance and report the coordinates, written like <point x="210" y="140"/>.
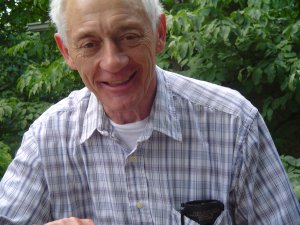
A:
<point x="104" y="133"/>
<point x="132" y="159"/>
<point x="139" y="205"/>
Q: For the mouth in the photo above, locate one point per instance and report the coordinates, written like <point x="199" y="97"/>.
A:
<point x="120" y="82"/>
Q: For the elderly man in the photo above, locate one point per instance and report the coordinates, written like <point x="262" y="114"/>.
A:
<point x="139" y="141"/>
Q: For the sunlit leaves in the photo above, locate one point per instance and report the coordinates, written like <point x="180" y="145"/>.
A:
<point x="292" y="167"/>
<point x="256" y="45"/>
<point x="252" y="46"/>
<point x="5" y="157"/>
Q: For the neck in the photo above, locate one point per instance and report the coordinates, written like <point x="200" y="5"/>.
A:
<point x="136" y="113"/>
<point x="129" y="116"/>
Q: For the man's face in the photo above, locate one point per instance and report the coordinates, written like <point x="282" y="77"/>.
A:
<point x="113" y="47"/>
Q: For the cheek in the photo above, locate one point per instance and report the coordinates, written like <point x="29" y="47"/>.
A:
<point x="84" y="66"/>
<point x="85" y="71"/>
<point x="146" y="54"/>
<point x="80" y="61"/>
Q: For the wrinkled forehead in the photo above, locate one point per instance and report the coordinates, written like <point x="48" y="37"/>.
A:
<point x="77" y="11"/>
<point x="104" y="15"/>
<point x="74" y="6"/>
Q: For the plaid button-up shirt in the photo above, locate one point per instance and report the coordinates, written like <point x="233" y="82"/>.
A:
<point x="202" y="142"/>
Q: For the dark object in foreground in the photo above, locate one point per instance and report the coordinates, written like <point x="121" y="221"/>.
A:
<point x="204" y="212"/>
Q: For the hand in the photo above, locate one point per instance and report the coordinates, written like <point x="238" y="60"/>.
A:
<point x="71" y="221"/>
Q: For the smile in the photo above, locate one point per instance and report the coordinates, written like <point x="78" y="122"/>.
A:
<point x="119" y="83"/>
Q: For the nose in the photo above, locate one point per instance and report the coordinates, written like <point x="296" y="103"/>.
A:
<point x="112" y="58"/>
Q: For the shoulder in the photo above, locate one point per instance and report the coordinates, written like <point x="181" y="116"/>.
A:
<point x="211" y="96"/>
<point x="75" y="103"/>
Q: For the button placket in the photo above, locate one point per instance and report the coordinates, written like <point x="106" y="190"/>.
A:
<point x="137" y="188"/>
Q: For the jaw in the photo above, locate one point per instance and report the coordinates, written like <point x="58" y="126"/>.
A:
<point x="132" y="106"/>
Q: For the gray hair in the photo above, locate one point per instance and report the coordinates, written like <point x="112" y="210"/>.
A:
<point x="153" y="9"/>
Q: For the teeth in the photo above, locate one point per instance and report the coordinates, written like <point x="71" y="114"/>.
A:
<point x="118" y="82"/>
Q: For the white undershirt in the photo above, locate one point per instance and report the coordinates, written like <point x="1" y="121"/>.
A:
<point x="130" y="132"/>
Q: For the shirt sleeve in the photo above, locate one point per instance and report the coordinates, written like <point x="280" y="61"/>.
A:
<point x="23" y="192"/>
<point x="262" y="193"/>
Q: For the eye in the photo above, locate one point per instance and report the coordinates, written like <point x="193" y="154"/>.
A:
<point x="130" y="39"/>
<point x="89" y="45"/>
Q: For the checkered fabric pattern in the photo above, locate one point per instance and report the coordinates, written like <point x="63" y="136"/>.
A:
<point x="202" y="141"/>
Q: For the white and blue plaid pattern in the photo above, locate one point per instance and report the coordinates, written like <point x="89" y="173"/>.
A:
<point x="202" y="142"/>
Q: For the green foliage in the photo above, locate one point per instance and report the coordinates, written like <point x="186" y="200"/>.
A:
<point x="53" y="78"/>
<point x="5" y="157"/>
<point x="5" y="110"/>
<point x="33" y="74"/>
<point x="16" y="14"/>
<point x="19" y="115"/>
<point x="251" y="46"/>
<point x="292" y="167"/>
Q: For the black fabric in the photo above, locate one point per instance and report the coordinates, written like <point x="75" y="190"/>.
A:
<point x="203" y="212"/>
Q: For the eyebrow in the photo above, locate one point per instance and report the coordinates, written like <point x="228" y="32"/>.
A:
<point x="84" y="35"/>
<point x="119" y="28"/>
<point x="130" y="26"/>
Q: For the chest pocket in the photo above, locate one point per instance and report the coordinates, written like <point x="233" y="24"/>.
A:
<point x="223" y="219"/>
<point x="176" y="218"/>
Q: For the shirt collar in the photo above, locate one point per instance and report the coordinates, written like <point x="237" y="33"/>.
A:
<point x="94" y="119"/>
<point x="163" y="117"/>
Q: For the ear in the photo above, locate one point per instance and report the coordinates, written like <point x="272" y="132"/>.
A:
<point x="64" y="51"/>
<point x="161" y="34"/>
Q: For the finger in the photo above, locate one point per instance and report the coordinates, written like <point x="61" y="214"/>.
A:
<point x="71" y="221"/>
